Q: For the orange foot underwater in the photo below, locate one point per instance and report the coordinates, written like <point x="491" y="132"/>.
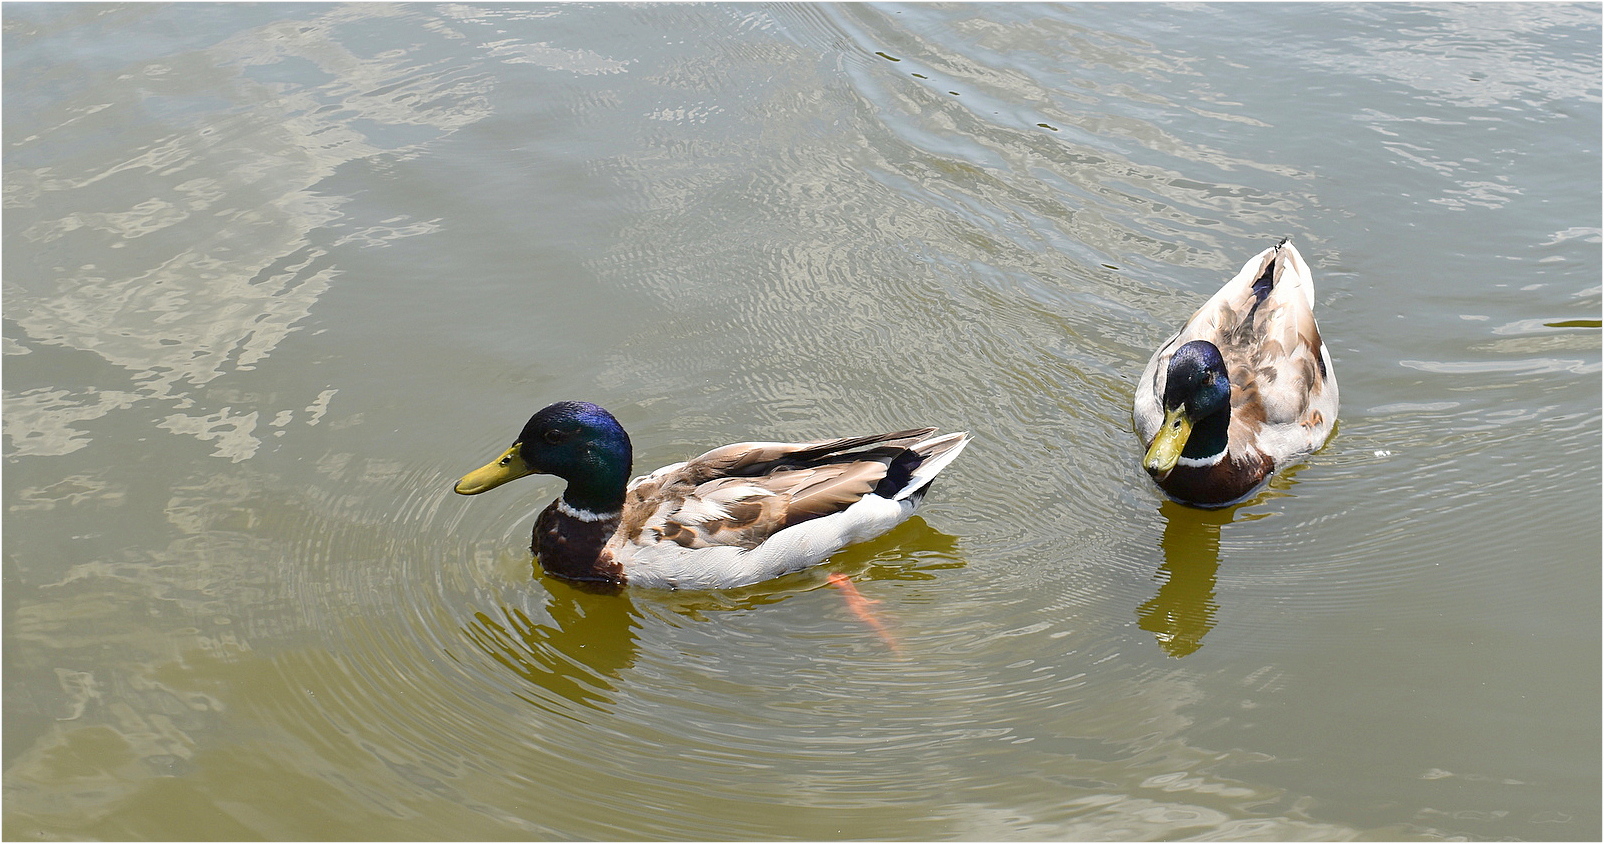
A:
<point x="862" y="608"/>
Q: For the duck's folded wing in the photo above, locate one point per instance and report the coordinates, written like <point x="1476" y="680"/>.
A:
<point x="739" y="495"/>
<point x="1289" y="368"/>
<point x="743" y="512"/>
<point x="1287" y="364"/>
<point x="1263" y="323"/>
<point x="761" y="458"/>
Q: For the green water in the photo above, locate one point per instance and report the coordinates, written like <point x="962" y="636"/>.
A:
<point x="276" y="275"/>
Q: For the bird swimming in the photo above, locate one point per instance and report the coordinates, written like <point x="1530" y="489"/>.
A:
<point x="737" y="515"/>
<point x="1243" y="389"/>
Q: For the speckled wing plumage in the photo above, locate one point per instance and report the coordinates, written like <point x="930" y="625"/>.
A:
<point x="740" y="494"/>
<point x="746" y="512"/>
<point x="1283" y="388"/>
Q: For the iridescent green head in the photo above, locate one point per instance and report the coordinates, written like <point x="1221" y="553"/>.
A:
<point x="576" y="441"/>
<point x="1197" y="389"/>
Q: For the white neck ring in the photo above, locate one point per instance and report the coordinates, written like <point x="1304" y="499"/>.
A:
<point x="1200" y="462"/>
<point x="581" y="513"/>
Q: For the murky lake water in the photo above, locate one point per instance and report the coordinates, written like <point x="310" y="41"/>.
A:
<point x="276" y="275"/>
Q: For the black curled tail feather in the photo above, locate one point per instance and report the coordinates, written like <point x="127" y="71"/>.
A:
<point x="898" y="473"/>
<point x="1264" y="283"/>
<point x="1266" y="280"/>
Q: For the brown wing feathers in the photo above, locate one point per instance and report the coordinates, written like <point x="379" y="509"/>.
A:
<point x="741" y="494"/>
<point x="832" y="489"/>
<point x="755" y="459"/>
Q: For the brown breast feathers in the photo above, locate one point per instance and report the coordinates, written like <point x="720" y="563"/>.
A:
<point x="573" y="549"/>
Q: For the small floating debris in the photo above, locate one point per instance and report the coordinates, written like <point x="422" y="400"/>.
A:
<point x="887" y="57"/>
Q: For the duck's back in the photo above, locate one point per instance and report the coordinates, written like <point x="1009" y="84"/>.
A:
<point x="1283" y="388"/>
<point x="749" y="512"/>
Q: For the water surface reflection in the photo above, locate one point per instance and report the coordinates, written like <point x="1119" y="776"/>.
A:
<point x="1182" y="612"/>
<point x="264" y="262"/>
<point x="577" y="655"/>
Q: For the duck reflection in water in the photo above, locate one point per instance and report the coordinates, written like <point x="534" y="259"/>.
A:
<point x="591" y="635"/>
<point x="577" y="655"/>
<point x="1183" y="611"/>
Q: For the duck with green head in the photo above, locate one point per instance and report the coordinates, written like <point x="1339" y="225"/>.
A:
<point x="1244" y="388"/>
<point x="737" y="515"/>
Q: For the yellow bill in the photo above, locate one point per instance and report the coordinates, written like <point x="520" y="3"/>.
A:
<point x="510" y="466"/>
<point x="1166" y="449"/>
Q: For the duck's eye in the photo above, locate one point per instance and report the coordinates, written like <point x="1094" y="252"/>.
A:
<point x="555" y="436"/>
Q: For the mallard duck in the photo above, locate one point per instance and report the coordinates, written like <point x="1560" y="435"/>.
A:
<point x="1244" y="388"/>
<point x="737" y="515"/>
